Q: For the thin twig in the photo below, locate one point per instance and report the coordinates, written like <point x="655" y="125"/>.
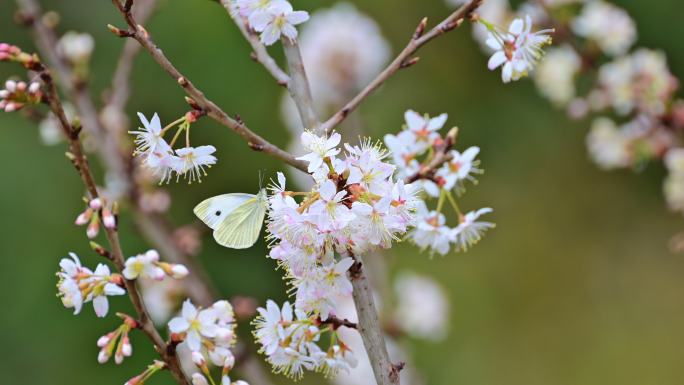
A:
<point x="299" y="88"/>
<point x="255" y="141"/>
<point x="116" y="254"/>
<point x="403" y="60"/>
<point x="46" y="41"/>
<point x="260" y="54"/>
<point x="369" y="326"/>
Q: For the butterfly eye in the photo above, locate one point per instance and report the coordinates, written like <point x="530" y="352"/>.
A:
<point x="218" y="213"/>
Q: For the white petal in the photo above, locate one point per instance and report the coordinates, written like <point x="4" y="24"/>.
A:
<point x="496" y="60"/>
<point x="101" y="305"/>
<point x="178" y="325"/>
<point x="189" y="311"/>
<point x="297" y="17"/>
<point x="516" y="27"/>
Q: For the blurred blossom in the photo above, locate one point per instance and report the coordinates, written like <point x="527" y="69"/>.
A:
<point x="423" y="307"/>
<point x="607" y="145"/>
<point x="49" y="128"/>
<point x="188" y="239"/>
<point x="674" y="183"/>
<point x="162" y="298"/>
<point x="555" y="74"/>
<point x="641" y="81"/>
<point x="607" y="25"/>
<point x="76" y="47"/>
<point x="343" y="51"/>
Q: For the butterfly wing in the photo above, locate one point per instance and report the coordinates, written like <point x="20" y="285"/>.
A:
<point x="214" y="211"/>
<point x="241" y="228"/>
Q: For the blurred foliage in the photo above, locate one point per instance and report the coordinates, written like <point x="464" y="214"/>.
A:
<point x="575" y="285"/>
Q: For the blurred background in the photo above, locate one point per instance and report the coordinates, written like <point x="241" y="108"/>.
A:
<point x="576" y="285"/>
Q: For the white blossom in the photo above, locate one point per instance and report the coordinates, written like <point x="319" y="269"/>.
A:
<point x="423" y="307"/>
<point x="518" y="50"/>
<point x="76" y="47"/>
<point x="606" y="24"/>
<point x="278" y="19"/>
<point x="555" y="74"/>
<point x="469" y="230"/>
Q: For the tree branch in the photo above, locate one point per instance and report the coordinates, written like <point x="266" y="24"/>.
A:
<point x="260" y="54"/>
<point x="255" y="141"/>
<point x="369" y="326"/>
<point x="403" y="60"/>
<point x="299" y="88"/>
<point x="116" y="254"/>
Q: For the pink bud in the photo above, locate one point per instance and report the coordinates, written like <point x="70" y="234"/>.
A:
<point x="127" y="348"/>
<point x="4" y="56"/>
<point x="153" y="255"/>
<point x="198" y="379"/>
<point x="104" y="340"/>
<point x="11" y="85"/>
<point x="108" y="219"/>
<point x="198" y="359"/>
<point x="84" y="217"/>
<point x="179" y="271"/>
<point x="135" y="380"/>
<point x="103" y="356"/>
<point x="118" y="358"/>
<point x="4" y="94"/>
<point x="10" y="107"/>
<point x="95" y="204"/>
<point x="21" y="86"/>
<point x="93" y="229"/>
<point x="4" y="47"/>
<point x="34" y="87"/>
<point x="230" y="362"/>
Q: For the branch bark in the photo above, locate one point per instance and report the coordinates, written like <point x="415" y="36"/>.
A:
<point x="260" y="54"/>
<point x="255" y="141"/>
<point x="370" y="328"/>
<point x="299" y="88"/>
<point x="80" y="161"/>
<point x="403" y="60"/>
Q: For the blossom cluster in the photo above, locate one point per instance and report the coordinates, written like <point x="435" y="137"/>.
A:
<point x="78" y="285"/>
<point x="271" y="18"/>
<point x="413" y="149"/>
<point x="117" y="342"/>
<point x="290" y="339"/>
<point x="96" y="212"/>
<point x="595" y="69"/>
<point x="18" y="94"/>
<point x="162" y="159"/>
<point x="209" y="334"/>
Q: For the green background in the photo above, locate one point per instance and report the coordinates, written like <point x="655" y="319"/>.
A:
<point x="575" y="285"/>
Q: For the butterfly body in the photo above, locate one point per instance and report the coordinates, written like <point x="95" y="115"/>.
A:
<point x="235" y="218"/>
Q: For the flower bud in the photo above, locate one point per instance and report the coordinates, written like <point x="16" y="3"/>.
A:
<point x="198" y="359"/>
<point x="104" y="340"/>
<point x="11" y="85"/>
<point x="126" y="347"/>
<point x="95" y="204"/>
<point x="93" y="228"/>
<point x="118" y="357"/>
<point x="152" y="255"/>
<point x="34" y="87"/>
<point x="198" y="379"/>
<point x="225" y="380"/>
<point x="240" y="382"/>
<point x="103" y="356"/>
<point x="229" y="363"/>
<point x="137" y="380"/>
<point x="84" y="217"/>
<point x="4" y="94"/>
<point x="108" y="219"/>
<point x="179" y="271"/>
<point x="21" y="86"/>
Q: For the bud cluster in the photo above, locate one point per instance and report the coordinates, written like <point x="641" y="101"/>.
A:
<point x="96" y="212"/>
<point x="18" y="94"/>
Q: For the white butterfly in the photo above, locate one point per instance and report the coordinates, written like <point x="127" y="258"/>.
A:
<point x="235" y="218"/>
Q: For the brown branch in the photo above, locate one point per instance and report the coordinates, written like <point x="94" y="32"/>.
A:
<point x="336" y="322"/>
<point x="369" y="326"/>
<point x="139" y="33"/>
<point x="116" y="254"/>
<point x="260" y="54"/>
<point x="299" y="88"/>
<point x="403" y="60"/>
<point x="46" y="41"/>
